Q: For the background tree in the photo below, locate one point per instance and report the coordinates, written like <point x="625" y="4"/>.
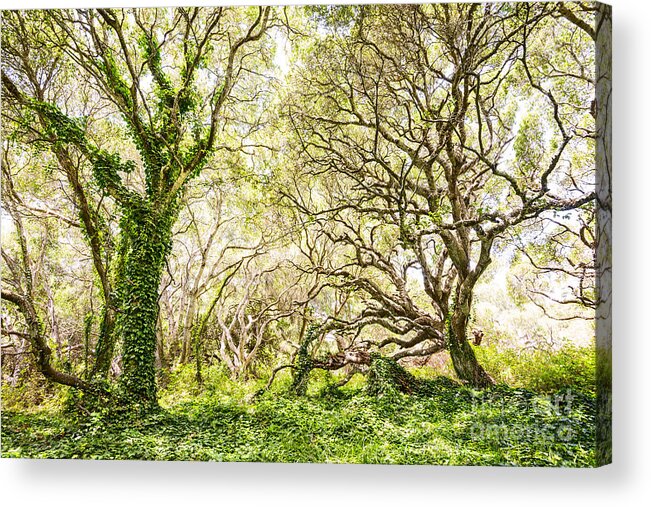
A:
<point x="28" y="47"/>
<point x="425" y="133"/>
<point x="26" y="284"/>
<point x="170" y="78"/>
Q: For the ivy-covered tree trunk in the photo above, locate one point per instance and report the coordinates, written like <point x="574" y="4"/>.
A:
<point x="105" y="347"/>
<point x="304" y="362"/>
<point x="148" y="234"/>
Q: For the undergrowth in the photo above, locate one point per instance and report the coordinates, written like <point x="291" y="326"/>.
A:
<point x="445" y="424"/>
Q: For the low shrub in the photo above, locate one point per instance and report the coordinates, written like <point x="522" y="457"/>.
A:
<point x="541" y="370"/>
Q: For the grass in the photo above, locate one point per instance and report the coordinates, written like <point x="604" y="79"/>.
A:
<point x="540" y="370"/>
<point x="452" y="425"/>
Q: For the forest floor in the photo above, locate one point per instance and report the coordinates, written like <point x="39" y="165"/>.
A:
<point x="453" y="425"/>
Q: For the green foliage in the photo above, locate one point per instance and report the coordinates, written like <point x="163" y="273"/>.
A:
<point x="540" y="370"/>
<point x="149" y="240"/>
<point x="31" y="392"/>
<point x="174" y="121"/>
<point x="304" y="360"/>
<point x="65" y="130"/>
<point x="387" y="377"/>
<point x="339" y="17"/>
<point x="453" y="426"/>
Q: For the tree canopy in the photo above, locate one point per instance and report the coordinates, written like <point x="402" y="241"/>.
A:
<point x="293" y="188"/>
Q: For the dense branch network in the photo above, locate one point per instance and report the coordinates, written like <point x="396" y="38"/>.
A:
<point x="407" y="132"/>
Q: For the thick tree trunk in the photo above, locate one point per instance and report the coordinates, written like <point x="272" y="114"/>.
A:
<point x="463" y="356"/>
<point x="149" y="236"/>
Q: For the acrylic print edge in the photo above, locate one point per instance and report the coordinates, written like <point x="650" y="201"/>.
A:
<point x="603" y="257"/>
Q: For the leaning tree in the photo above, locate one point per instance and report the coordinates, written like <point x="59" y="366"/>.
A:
<point x="424" y="134"/>
<point x="167" y="83"/>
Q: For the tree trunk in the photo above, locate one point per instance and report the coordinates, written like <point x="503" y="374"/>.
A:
<point x="463" y="356"/>
<point x="188" y="326"/>
<point x="196" y="332"/>
<point x="105" y="348"/>
<point x="149" y="237"/>
<point x="105" y="343"/>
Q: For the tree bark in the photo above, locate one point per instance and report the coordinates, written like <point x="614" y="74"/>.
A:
<point x="463" y="356"/>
